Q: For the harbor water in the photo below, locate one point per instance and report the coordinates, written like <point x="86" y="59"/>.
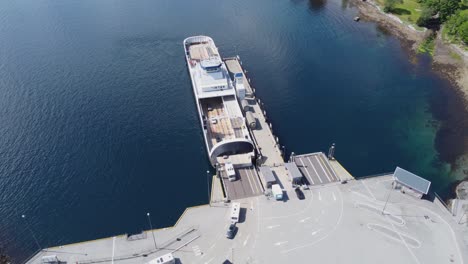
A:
<point x="99" y="124"/>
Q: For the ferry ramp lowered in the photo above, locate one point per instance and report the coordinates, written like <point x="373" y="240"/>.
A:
<point x="246" y="185"/>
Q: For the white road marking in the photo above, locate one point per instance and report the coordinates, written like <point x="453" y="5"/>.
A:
<point x="249" y="171"/>
<point x="404" y="242"/>
<point x="367" y="188"/>
<point x="272" y="226"/>
<point x="113" y="249"/>
<point x="320" y="163"/>
<point x="303" y="220"/>
<point x="329" y="169"/>
<point x="324" y="237"/>
<point x="280" y="243"/>
<point x="334" y="197"/>
<point x="212" y="246"/>
<point x="318" y="175"/>
<point x="208" y="262"/>
<point x="246" y="240"/>
<point x="196" y="250"/>
<point x="320" y="196"/>
<point x="307" y="171"/>
<point x="250" y="182"/>
<point x="326" y="174"/>
<point x="316" y="232"/>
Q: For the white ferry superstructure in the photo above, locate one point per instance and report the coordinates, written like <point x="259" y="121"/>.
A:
<point x="221" y="118"/>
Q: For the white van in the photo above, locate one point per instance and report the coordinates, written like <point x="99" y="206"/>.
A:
<point x="277" y="192"/>
<point x="231" y="173"/>
<point x="235" y="212"/>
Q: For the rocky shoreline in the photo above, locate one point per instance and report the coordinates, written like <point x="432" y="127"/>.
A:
<point x="453" y="69"/>
<point x="451" y="62"/>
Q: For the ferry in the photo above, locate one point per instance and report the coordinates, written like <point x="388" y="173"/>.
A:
<point x="227" y="137"/>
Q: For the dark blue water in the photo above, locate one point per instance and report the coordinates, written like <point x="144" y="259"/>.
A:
<point x="98" y="122"/>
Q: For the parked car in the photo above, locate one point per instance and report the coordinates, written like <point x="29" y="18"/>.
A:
<point x="299" y="193"/>
<point x="232" y="230"/>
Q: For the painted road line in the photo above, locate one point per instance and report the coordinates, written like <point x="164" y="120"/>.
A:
<point x="246" y="240"/>
<point x="334" y="197"/>
<point x="320" y="196"/>
<point x="316" y="232"/>
<point x="320" y="164"/>
<point x="250" y="183"/>
<point x="303" y="220"/>
<point x="321" y="158"/>
<point x="331" y="169"/>
<point x="255" y="179"/>
<point x="280" y="243"/>
<point x="307" y="171"/>
<point x="208" y="262"/>
<point x="367" y="188"/>
<point x="113" y="249"/>
<point x="318" y="175"/>
<point x="272" y="226"/>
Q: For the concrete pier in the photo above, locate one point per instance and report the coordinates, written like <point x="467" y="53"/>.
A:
<point x="364" y="221"/>
<point x="336" y="223"/>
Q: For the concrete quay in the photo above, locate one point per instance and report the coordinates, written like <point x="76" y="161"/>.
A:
<point x="364" y="221"/>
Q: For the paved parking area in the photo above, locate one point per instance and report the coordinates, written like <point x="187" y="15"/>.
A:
<point x="316" y="169"/>
<point x="246" y="185"/>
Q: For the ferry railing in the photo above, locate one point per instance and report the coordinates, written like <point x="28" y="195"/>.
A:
<point x="375" y="175"/>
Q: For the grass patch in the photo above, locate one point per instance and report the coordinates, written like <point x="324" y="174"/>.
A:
<point x="409" y="11"/>
<point x="427" y="46"/>
<point x="455" y="56"/>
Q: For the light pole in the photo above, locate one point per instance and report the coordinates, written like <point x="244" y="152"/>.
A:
<point x="152" y="232"/>
<point x="388" y="197"/>
<point x="32" y="233"/>
<point x="208" y="185"/>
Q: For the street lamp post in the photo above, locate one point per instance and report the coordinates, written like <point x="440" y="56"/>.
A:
<point x="152" y="232"/>
<point x="208" y="185"/>
<point x="32" y="233"/>
<point x="388" y="197"/>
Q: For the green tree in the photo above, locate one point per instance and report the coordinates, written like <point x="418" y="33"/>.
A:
<point x="464" y="32"/>
<point x="444" y="8"/>
<point x="425" y="19"/>
<point x="456" y="26"/>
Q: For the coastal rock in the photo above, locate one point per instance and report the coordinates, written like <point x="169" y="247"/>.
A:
<point x="462" y="190"/>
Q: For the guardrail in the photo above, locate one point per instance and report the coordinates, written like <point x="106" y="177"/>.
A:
<point x="443" y="203"/>
<point x="33" y="256"/>
<point x="374" y="175"/>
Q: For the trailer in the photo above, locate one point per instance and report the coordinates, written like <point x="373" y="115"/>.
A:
<point x="164" y="259"/>
<point x="235" y="213"/>
<point x="277" y="191"/>
<point x="230" y="172"/>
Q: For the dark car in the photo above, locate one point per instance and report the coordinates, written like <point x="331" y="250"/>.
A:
<point x="231" y="233"/>
<point x="299" y="193"/>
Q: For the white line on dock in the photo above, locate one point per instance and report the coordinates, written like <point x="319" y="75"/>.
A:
<point x="113" y="249"/>
<point x="320" y="164"/>
<point x="272" y="226"/>
<point x="316" y="232"/>
<point x="280" y="243"/>
<point x="367" y="188"/>
<point x="313" y="167"/>
<point x="307" y="171"/>
<point x="326" y="167"/>
<point x="246" y="240"/>
<point x="250" y="182"/>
